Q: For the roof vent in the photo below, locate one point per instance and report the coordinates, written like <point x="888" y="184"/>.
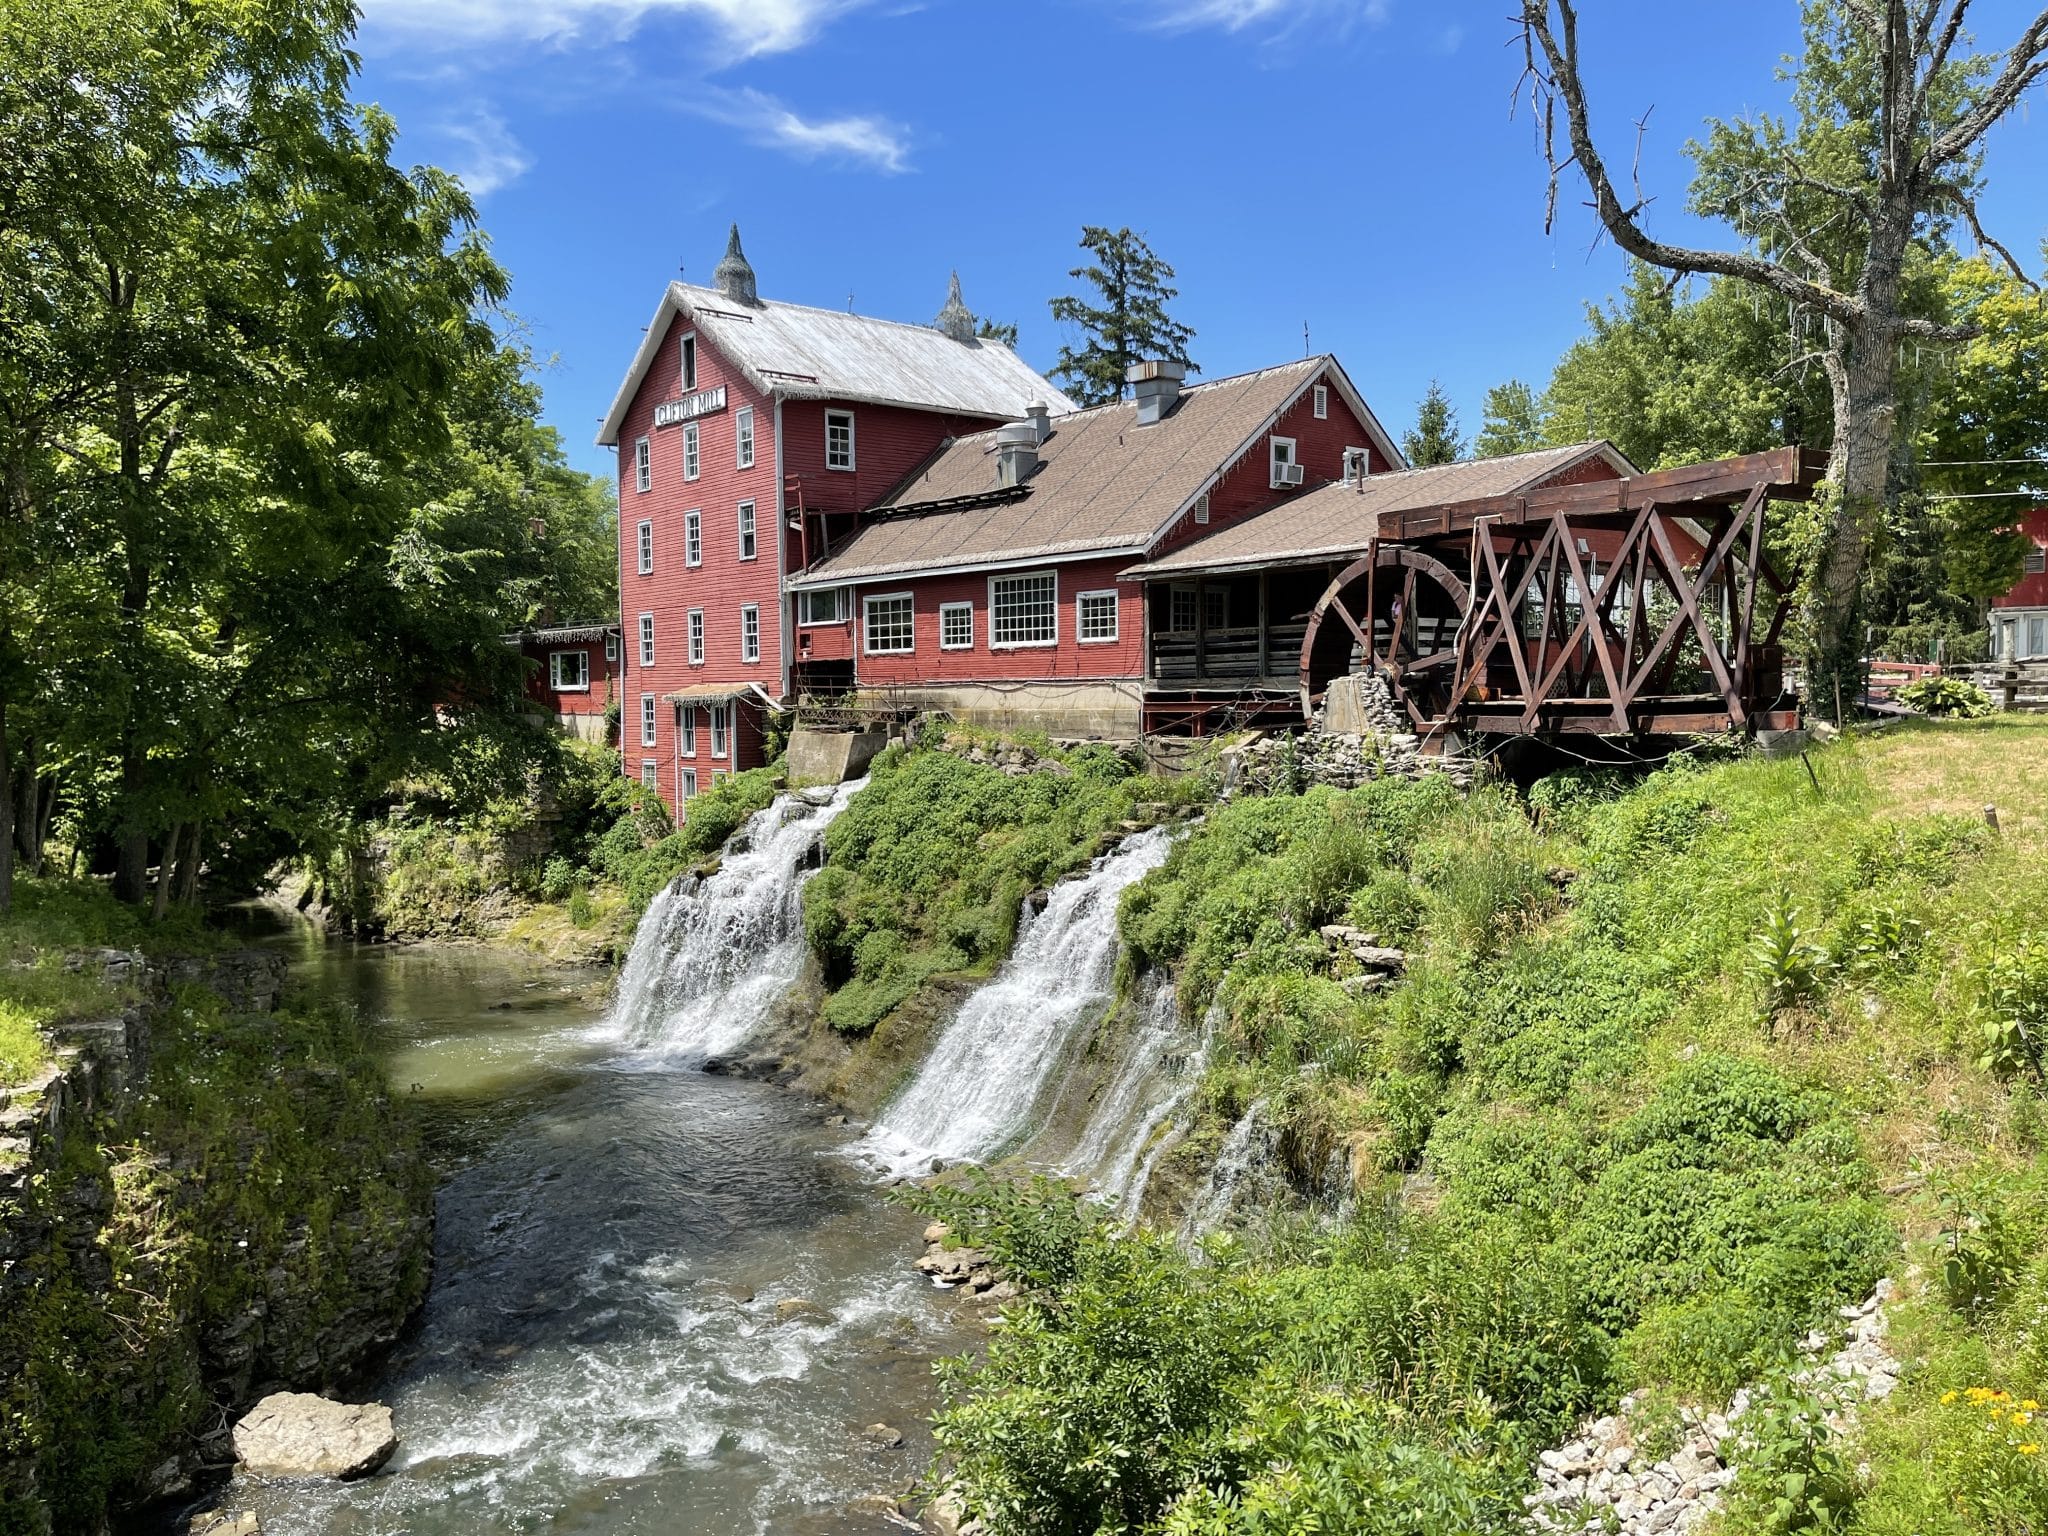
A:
<point x="1039" y="414"/>
<point x="1155" y="385"/>
<point x="956" y="319"/>
<point x="735" y="276"/>
<point x="1016" y="453"/>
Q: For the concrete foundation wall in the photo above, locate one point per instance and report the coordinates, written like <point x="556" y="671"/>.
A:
<point x="832" y="757"/>
<point x="1107" y="710"/>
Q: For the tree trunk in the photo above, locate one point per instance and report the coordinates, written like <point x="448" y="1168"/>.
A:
<point x="188" y="867"/>
<point x="6" y="815"/>
<point x="1866" y="410"/>
<point x="166" y="871"/>
<point x="47" y="815"/>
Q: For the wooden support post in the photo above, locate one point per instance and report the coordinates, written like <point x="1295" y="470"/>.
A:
<point x="1265" y="635"/>
<point x="1201" y="630"/>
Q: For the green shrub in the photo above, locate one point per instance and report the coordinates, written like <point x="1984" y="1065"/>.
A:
<point x="1951" y="697"/>
<point x="1704" y="1346"/>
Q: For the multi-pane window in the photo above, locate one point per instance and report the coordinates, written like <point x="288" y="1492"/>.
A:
<point x="689" y="362"/>
<point x="1023" y="610"/>
<point x="839" y="439"/>
<point x="696" y="637"/>
<point x="1095" y="617"/>
<point x="646" y="639"/>
<point x="569" y="671"/>
<point x="825" y="605"/>
<point x="1181" y="610"/>
<point x="750" y="633"/>
<point x="1283" y="466"/>
<point x="2036" y="560"/>
<point x="689" y="783"/>
<point x="646" y="719"/>
<point x="889" y="624"/>
<point x="956" y="626"/>
<point x="688" y="715"/>
<point x="646" y="542"/>
<point x="1322" y="402"/>
<point x="611" y="647"/>
<point x="649" y="774"/>
<point x="693" y="454"/>
<point x="749" y="543"/>
<point x="693" y="538"/>
<point x="721" y="731"/>
<point x="643" y="465"/>
<point x="743" y="436"/>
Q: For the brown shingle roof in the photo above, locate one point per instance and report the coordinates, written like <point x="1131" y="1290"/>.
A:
<point x="1338" y="520"/>
<point x="1103" y="483"/>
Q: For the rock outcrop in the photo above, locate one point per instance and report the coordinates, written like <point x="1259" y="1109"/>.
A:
<point x="296" y="1434"/>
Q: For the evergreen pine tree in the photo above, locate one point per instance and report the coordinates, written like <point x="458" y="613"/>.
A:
<point x="1001" y="331"/>
<point x="1434" y="439"/>
<point x="1129" y="325"/>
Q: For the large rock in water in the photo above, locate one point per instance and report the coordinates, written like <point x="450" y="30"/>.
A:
<point x="295" y="1434"/>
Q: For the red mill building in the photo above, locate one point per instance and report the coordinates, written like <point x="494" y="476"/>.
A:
<point x="813" y="502"/>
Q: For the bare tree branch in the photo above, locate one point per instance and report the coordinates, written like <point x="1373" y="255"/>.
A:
<point x="2024" y="65"/>
<point x="1559" y="79"/>
<point x="1967" y="206"/>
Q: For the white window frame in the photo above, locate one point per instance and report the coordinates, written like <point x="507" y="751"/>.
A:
<point x="840" y="606"/>
<point x="750" y="632"/>
<point x="693" y="538"/>
<point x="743" y="438"/>
<point x="1081" y="635"/>
<point x="643" y="538"/>
<point x="750" y="531"/>
<point x="995" y="618"/>
<point x="830" y="418"/>
<point x="647" y="720"/>
<point x="1202" y="508"/>
<point x="686" y="731"/>
<point x="693" y="450"/>
<point x="696" y="633"/>
<point x="686" y="361"/>
<point x="1357" y="464"/>
<point x="643" y="465"/>
<point x="689" y="784"/>
<point x="646" y="639"/>
<point x="953" y="611"/>
<point x="721" y="734"/>
<point x="611" y="647"/>
<point x="1321" y="404"/>
<point x="2035" y="561"/>
<point x="650" y="774"/>
<point x="1274" y="460"/>
<point x="867" y="633"/>
<point x="555" y="660"/>
<point x="719" y="776"/>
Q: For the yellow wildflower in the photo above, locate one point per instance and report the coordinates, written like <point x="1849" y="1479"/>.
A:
<point x="2029" y="1448"/>
<point x="2023" y="1418"/>
<point x="1947" y="1398"/>
<point x="2029" y="1404"/>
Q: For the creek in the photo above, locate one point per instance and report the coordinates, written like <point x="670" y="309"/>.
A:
<point x="602" y="1350"/>
<point x="669" y="1301"/>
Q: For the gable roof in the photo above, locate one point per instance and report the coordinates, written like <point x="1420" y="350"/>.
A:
<point x="1104" y="484"/>
<point x="798" y="352"/>
<point x="1339" y="519"/>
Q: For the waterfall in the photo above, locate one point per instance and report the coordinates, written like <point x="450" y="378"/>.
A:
<point x="1247" y="1152"/>
<point x="978" y="1089"/>
<point x="712" y="956"/>
<point x="1160" y="1069"/>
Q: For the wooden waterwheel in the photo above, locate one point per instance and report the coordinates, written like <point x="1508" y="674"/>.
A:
<point x="1395" y="612"/>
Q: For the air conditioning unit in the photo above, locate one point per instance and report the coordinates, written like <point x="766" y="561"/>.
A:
<point x="1286" y="474"/>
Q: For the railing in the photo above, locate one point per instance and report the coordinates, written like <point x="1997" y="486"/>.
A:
<point x="1234" y="654"/>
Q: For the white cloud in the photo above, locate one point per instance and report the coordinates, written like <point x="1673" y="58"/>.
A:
<point x="487" y="156"/>
<point x="746" y="28"/>
<point x="1264" y="15"/>
<point x="873" y="141"/>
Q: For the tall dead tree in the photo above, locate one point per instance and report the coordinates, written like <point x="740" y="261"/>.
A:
<point x="1829" y="221"/>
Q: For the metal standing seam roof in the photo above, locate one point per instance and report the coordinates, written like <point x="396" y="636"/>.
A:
<point x="1340" y="519"/>
<point x="1103" y="485"/>
<point x="798" y="352"/>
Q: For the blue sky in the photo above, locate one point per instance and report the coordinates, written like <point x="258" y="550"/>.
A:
<point x="1350" y="165"/>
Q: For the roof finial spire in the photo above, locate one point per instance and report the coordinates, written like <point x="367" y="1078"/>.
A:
<point x="735" y="276"/>
<point x="956" y="319"/>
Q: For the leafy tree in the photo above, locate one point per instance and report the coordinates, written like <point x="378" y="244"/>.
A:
<point x="273" y="488"/>
<point x="1512" y="423"/>
<point x="1130" y="323"/>
<point x="1003" y="331"/>
<point x="1831" y="209"/>
<point x="1434" y="438"/>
